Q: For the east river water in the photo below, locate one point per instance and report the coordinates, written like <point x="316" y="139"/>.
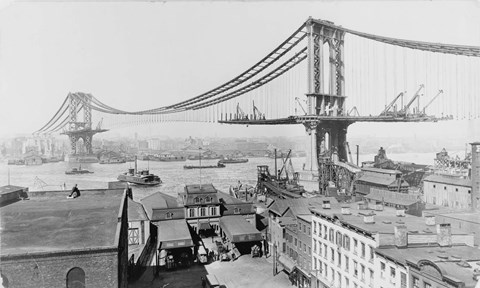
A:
<point x="51" y="176"/>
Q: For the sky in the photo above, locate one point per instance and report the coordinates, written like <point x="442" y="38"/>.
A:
<point x="138" y="55"/>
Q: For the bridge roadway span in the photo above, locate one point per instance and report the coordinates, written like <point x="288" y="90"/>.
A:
<point x="314" y="118"/>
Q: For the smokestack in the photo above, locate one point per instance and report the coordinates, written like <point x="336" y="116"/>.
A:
<point x="430" y="220"/>
<point x="444" y="234"/>
<point x="475" y="192"/>
<point x="401" y="236"/>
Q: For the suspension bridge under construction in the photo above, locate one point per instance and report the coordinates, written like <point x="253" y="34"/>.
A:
<point x="323" y="76"/>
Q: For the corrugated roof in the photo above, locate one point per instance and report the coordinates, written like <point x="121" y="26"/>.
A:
<point x="173" y="230"/>
<point x="449" y="180"/>
<point x="392" y="197"/>
<point x="239" y="230"/>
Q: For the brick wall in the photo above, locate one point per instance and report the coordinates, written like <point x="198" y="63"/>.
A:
<point x="50" y="269"/>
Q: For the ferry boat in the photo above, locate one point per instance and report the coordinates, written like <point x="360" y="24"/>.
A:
<point x="78" y="171"/>
<point x="233" y="160"/>
<point x="142" y="177"/>
<point x="112" y="161"/>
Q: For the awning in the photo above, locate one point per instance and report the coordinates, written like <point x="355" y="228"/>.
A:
<point x="173" y="234"/>
<point x="238" y="229"/>
<point x="204" y="226"/>
<point x="287" y="263"/>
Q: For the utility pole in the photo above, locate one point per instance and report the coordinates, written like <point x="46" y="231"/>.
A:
<point x="357" y="154"/>
<point x="200" y="158"/>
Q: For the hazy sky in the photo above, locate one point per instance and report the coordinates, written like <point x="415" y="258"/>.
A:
<point x="139" y="55"/>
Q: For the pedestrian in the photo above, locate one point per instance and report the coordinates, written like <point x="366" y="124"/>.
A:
<point x="75" y="192"/>
<point x="204" y="283"/>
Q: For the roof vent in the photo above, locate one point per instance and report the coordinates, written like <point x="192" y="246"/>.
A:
<point x="400" y="212"/>
<point x="346" y="210"/>
<point x="430" y="220"/>
<point x="387" y="222"/>
<point x="413" y="231"/>
<point x="326" y="204"/>
<point x="428" y="231"/>
<point x="368" y="218"/>
<point x="362" y="206"/>
<point x="442" y="257"/>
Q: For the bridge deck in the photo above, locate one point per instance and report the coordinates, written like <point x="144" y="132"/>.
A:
<point x="351" y="119"/>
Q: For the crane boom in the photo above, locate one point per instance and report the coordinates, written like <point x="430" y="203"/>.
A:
<point x="433" y="99"/>
<point x="392" y="103"/>
<point x="413" y="98"/>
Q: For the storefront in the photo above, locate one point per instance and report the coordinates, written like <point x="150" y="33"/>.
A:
<point x="174" y="244"/>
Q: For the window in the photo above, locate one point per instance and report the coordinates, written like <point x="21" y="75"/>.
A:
<point x="332" y="255"/>
<point x="304" y="247"/>
<point x="300" y="244"/>
<point x="133" y="236"/>
<point x="415" y="282"/>
<point x="304" y="228"/>
<point x="300" y="227"/>
<point x="363" y="250"/>
<point x="320" y="266"/>
<point x="347" y="282"/>
<point x="325" y="231"/>
<point x="197" y="200"/>
<point x="371" y="276"/>
<point x="382" y="269"/>
<point x="319" y="248"/>
<point x="314" y="227"/>
<point x="203" y="211"/>
<point x="339" y="257"/>
<point x="332" y="272"/>
<point x="355" y="245"/>
<point x="191" y="212"/>
<point x="339" y="277"/>
<point x="325" y="250"/>
<point x="363" y="272"/>
<point x="355" y="269"/>
<point x="236" y="210"/>
<point x="372" y="253"/>
<point x="213" y="211"/>
<point x="295" y="242"/>
<point x="346" y="242"/>
<point x="330" y="235"/>
<point x="208" y="199"/>
<point x="456" y="190"/>
<point x="309" y="232"/>
<point x="426" y="285"/>
<point x="315" y="246"/>
<point x="309" y="250"/>
<point x="319" y="230"/>
<point x="339" y="239"/>
<point x="444" y="187"/>
<point x="392" y="272"/>
<point x="314" y="263"/>
<point x="346" y="263"/>
<point x="403" y="280"/>
<point x="169" y="215"/>
<point x="76" y="278"/>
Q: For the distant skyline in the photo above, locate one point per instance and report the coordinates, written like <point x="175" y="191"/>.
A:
<point x="138" y="55"/>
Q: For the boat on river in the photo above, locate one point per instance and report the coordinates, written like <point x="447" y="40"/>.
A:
<point x="79" y="170"/>
<point x="142" y="177"/>
<point x="219" y="165"/>
<point x="233" y="160"/>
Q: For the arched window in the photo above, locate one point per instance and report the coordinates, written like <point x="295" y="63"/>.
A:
<point x="76" y="278"/>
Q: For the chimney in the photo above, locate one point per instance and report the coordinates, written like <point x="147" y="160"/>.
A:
<point x="326" y="204"/>
<point x="401" y="236"/>
<point x="362" y="206"/>
<point x="379" y="206"/>
<point x="368" y="218"/>
<point x="400" y="212"/>
<point x="444" y="234"/>
<point x="430" y="220"/>
<point x="475" y="176"/>
<point x="346" y="210"/>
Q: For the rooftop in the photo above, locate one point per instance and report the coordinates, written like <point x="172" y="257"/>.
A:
<point x="49" y="222"/>
<point x="473" y="217"/>
<point x="136" y="211"/>
<point x="384" y="220"/>
<point x="298" y="206"/>
<point x="445" y="260"/>
<point x="449" y="180"/>
<point x="10" y="188"/>
<point x="392" y="197"/>
<point x="381" y="179"/>
<point x="200" y="189"/>
<point x="382" y="171"/>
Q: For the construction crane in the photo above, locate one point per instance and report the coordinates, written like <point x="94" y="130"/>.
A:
<point x="240" y="114"/>
<point x="415" y="97"/>
<point x="433" y="99"/>
<point x="284" y="163"/>
<point x="386" y="110"/>
<point x="257" y="115"/>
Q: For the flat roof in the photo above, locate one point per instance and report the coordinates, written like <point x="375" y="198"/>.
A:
<point x="473" y="217"/>
<point x="173" y="234"/>
<point x="197" y="189"/>
<point x="50" y="222"/>
<point x="239" y="230"/>
<point x="445" y="259"/>
<point x="384" y="220"/>
<point x="10" y="188"/>
<point x="392" y="197"/>
<point x="448" y="180"/>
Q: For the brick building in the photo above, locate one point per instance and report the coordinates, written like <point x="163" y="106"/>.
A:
<point x="52" y="241"/>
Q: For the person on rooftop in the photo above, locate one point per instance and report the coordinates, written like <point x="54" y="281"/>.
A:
<point x="75" y="192"/>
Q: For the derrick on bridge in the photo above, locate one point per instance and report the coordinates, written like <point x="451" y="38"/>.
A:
<point x="325" y="77"/>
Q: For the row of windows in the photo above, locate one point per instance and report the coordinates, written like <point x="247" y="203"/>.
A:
<point x="298" y="243"/>
<point x="202" y="211"/>
<point x="359" y="272"/>
<point x="445" y="188"/>
<point x="306" y="228"/>
<point x="393" y="273"/>
<point x="198" y="200"/>
<point x="345" y="243"/>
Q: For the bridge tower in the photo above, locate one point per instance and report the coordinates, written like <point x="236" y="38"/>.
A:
<point x="81" y="129"/>
<point x="325" y="97"/>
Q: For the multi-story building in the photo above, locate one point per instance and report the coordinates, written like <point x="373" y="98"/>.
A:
<point x="452" y="192"/>
<point x="344" y="241"/>
<point x="422" y="266"/>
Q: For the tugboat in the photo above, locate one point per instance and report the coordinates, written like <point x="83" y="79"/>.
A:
<point x="142" y="177"/>
<point x="233" y="160"/>
<point x="78" y="171"/>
